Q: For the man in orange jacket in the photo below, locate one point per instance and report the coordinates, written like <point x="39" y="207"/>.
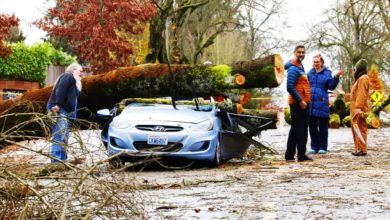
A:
<point x="298" y="87"/>
<point x="360" y="97"/>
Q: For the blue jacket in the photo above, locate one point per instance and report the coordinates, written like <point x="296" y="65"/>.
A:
<point x="65" y="94"/>
<point x="297" y="83"/>
<point x="320" y="83"/>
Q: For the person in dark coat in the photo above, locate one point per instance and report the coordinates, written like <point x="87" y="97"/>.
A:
<point x="298" y="88"/>
<point x="63" y="103"/>
<point x="321" y="80"/>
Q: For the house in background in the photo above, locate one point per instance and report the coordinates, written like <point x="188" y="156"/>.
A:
<point x="11" y="88"/>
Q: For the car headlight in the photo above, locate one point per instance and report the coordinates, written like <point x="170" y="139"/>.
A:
<point x="120" y="122"/>
<point x="202" y="126"/>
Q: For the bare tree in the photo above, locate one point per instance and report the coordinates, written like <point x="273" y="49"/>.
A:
<point x="384" y="8"/>
<point x="185" y="29"/>
<point x="220" y="53"/>
<point x="166" y="9"/>
<point x="352" y="31"/>
<point x="201" y="27"/>
<point x="262" y="19"/>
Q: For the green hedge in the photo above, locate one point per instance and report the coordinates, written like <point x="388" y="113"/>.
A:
<point x="29" y="63"/>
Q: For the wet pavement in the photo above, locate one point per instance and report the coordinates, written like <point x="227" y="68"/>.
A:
<point x="336" y="185"/>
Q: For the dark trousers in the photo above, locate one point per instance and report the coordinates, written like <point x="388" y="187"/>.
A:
<point x="318" y="128"/>
<point x="297" y="138"/>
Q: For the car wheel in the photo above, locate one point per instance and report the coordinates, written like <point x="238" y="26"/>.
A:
<point x="217" y="157"/>
<point x="116" y="163"/>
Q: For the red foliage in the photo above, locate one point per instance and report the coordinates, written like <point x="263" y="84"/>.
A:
<point x="92" y="26"/>
<point x="244" y="97"/>
<point x="6" y="22"/>
<point x="219" y="98"/>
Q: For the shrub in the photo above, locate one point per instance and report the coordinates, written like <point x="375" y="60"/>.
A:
<point x="29" y="63"/>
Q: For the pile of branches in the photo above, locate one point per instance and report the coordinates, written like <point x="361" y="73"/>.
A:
<point x="84" y="187"/>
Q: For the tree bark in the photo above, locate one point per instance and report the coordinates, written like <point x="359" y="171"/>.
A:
<point x="373" y="120"/>
<point x="261" y="72"/>
<point x="230" y="107"/>
<point x="156" y="39"/>
<point x="334" y="121"/>
<point x="153" y="80"/>
<point x="159" y="80"/>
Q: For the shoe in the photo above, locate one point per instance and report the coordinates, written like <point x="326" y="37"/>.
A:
<point x="289" y="157"/>
<point x="358" y="154"/>
<point x="322" y="151"/>
<point x="305" y="159"/>
<point x="312" y="151"/>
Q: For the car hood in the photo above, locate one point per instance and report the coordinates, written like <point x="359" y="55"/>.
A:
<point x="162" y="114"/>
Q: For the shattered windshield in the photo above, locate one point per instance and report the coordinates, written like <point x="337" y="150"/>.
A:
<point x="166" y="103"/>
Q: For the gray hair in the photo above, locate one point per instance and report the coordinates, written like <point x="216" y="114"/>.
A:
<point x="72" y="67"/>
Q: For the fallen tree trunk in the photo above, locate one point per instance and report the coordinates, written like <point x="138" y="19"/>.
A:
<point x="339" y="107"/>
<point x="227" y="106"/>
<point x="373" y="121"/>
<point x="271" y="114"/>
<point x="158" y="80"/>
<point x="153" y="80"/>
<point x="261" y="72"/>
<point x="347" y="121"/>
<point x="334" y="120"/>
<point x="385" y="103"/>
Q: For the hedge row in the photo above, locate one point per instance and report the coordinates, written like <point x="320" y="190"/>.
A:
<point x="29" y="63"/>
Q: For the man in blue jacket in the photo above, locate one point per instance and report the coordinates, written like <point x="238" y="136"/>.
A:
<point x="298" y="88"/>
<point x="321" y="81"/>
<point x="63" y="103"/>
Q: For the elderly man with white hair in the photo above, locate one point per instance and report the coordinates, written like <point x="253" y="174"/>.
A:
<point x="63" y="102"/>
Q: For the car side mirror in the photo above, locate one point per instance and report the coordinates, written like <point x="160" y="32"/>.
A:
<point x="104" y="113"/>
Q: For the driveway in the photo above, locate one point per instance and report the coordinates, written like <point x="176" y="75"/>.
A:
<point x="334" y="186"/>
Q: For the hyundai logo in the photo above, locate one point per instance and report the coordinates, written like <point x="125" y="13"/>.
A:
<point x="158" y="128"/>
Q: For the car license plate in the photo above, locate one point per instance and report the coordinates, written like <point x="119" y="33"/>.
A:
<point x="157" y="140"/>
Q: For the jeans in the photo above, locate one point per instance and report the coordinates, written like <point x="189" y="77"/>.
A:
<point x="318" y="128"/>
<point x="297" y="138"/>
<point x="60" y="135"/>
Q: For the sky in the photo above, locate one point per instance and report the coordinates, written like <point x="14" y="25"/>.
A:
<point x="301" y="14"/>
<point x="27" y="11"/>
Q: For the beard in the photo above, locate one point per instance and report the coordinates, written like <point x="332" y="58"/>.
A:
<point x="300" y="59"/>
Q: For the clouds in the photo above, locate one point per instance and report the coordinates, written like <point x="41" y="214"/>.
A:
<point x="304" y="13"/>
